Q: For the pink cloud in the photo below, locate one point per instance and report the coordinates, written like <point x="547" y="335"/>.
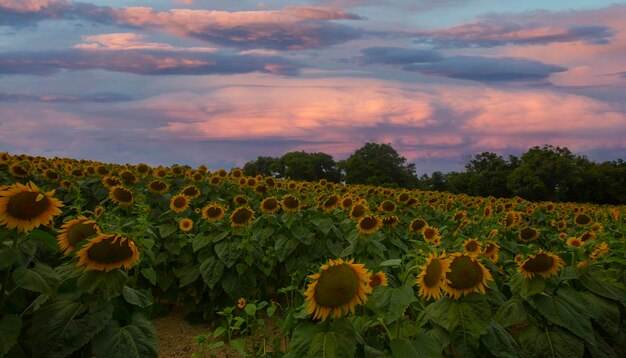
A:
<point x="28" y="5"/>
<point x="131" y="41"/>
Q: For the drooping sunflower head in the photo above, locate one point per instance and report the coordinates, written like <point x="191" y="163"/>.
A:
<point x="337" y="289"/>
<point x="185" y="225"/>
<point x="492" y="251"/>
<point x="270" y="205"/>
<point x="582" y="220"/>
<point x="346" y="202"/>
<point x="369" y="224"/>
<point x="358" y="210"/>
<point x="102" y="170"/>
<point x="121" y="195"/>
<point x="431" y="280"/>
<point x="107" y="252"/>
<point x="241" y="200"/>
<point x="26" y="207"/>
<point x="241" y="216"/>
<point x="290" y="203"/>
<point x="191" y="192"/>
<point x="528" y="234"/>
<point x="599" y="251"/>
<point x="18" y="170"/>
<point x="98" y="211"/>
<point x="128" y="177"/>
<point x="110" y="181"/>
<point x="179" y="203"/>
<point x="543" y="263"/>
<point x="472" y="247"/>
<point x="466" y="275"/>
<point x="387" y="206"/>
<point x="330" y="203"/>
<point x="587" y="235"/>
<point x="391" y="221"/>
<point x="378" y="279"/>
<point x="74" y="232"/>
<point x="158" y="186"/>
<point x="512" y="219"/>
<point x="143" y="169"/>
<point x="213" y="212"/>
<point x="417" y="224"/>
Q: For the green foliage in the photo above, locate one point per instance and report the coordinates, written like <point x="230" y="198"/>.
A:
<point x="379" y="164"/>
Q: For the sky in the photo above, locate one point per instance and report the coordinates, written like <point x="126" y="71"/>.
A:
<point x="222" y="82"/>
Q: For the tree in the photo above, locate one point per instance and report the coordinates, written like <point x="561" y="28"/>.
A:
<point x="309" y="166"/>
<point x="265" y="166"/>
<point x="487" y="173"/>
<point x="379" y="164"/>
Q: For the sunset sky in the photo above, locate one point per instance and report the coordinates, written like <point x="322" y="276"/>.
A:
<point x="222" y="82"/>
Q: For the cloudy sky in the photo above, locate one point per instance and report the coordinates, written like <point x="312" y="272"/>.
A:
<point x="222" y="82"/>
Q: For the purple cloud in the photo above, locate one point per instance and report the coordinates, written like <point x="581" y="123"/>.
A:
<point x="397" y="56"/>
<point x="65" y="98"/>
<point x="142" y="62"/>
<point x="487" y="69"/>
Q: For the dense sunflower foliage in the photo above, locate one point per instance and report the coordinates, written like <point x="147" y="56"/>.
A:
<point x="90" y="252"/>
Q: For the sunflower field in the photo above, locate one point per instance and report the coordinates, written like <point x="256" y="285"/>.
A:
<point x="90" y="252"/>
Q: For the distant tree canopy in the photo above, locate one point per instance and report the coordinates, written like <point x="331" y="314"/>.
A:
<point x="545" y="173"/>
<point x="378" y="164"/>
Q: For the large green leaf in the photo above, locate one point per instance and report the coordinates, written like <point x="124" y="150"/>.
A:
<point x="187" y="275"/>
<point x="533" y="286"/>
<point x="339" y="341"/>
<point x="557" y="344"/>
<point x="284" y="246"/>
<point x="202" y="239"/>
<point x="422" y="346"/>
<point x="392" y="302"/>
<point x="603" y="311"/>
<point x="323" y="224"/>
<point x="141" y="298"/>
<point x="10" y="327"/>
<point x="65" y="325"/>
<point x="136" y="340"/>
<point x="471" y="314"/>
<point x="211" y="270"/>
<point x="8" y="256"/>
<point x="41" y="278"/>
<point x="150" y="274"/>
<point x="301" y="339"/>
<point x="111" y="283"/>
<point x="303" y="234"/>
<point x="510" y="313"/>
<point x="598" y="284"/>
<point x="48" y="239"/>
<point x="560" y="312"/>
<point x="601" y="349"/>
<point x="228" y="251"/>
<point x="500" y="343"/>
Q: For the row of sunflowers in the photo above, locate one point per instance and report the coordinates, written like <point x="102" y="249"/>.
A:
<point x="90" y="252"/>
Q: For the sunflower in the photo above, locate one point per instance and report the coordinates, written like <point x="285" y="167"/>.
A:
<point x="236" y="173"/>
<point x="575" y="242"/>
<point x="158" y="186"/>
<point x="587" y="235"/>
<point x="528" y="234"/>
<point x="599" y="251"/>
<point x="107" y="252"/>
<point x="431" y="280"/>
<point x="431" y="235"/>
<point x="179" y="203"/>
<point x="241" y="200"/>
<point x="512" y="219"/>
<point x="66" y="184"/>
<point x="387" y="206"/>
<point x="75" y="231"/>
<point x="542" y="263"/>
<point x="51" y="175"/>
<point x="110" y="181"/>
<point x="358" y="210"/>
<point x="270" y="182"/>
<point x="185" y="225"/>
<point x="492" y="251"/>
<point x="378" y="279"/>
<point x="582" y="220"/>
<point x="121" y="195"/>
<point x="241" y="216"/>
<point x="331" y="203"/>
<point x="346" y="202"/>
<point x="241" y="303"/>
<point x="337" y="289"/>
<point x="25" y="207"/>
<point x="403" y="197"/>
<point x="290" y="203"/>
<point x="270" y="205"/>
<point x="550" y="207"/>
<point x="4" y="157"/>
<point x="143" y="169"/>
<point x="213" y="212"/>
<point x="261" y="189"/>
<point x="101" y="170"/>
<point x="472" y="247"/>
<point x="369" y="224"/>
<point x="159" y="172"/>
<point x="18" y="170"/>
<point x="98" y="211"/>
<point x="191" y="192"/>
<point x="391" y="221"/>
<point x="128" y="177"/>
<point x="466" y="275"/>
<point x="417" y="224"/>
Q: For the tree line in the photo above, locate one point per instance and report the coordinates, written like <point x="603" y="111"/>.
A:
<point x="545" y="173"/>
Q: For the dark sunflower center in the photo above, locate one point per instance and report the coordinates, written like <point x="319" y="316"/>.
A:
<point x="540" y="263"/>
<point x="241" y="215"/>
<point x="108" y="252"/>
<point x="490" y="249"/>
<point x="270" y="204"/>
<point x="403" y="197"/>
<point x="429" y="233"/>
<point x="375" y="281"/>
<point x="239" y="200"/>
<point x="213" y="211"/>
<point x="123" y="195"/>
<point x="215" y="180"/>
<point x="291" y="202"/>
<point x="358" y="211"/>
<point x="336" y="286"/>
<point x="528" y="233"/>
<point x="582" y="219"/>
<point x="191" y="191"/>
<point x="330" y="202"/>
<point x="418" y="224"/>
<point x="510" y="219"/>
<point x="464" y="273"/>
<point x="346" y="203"/>
<point x="79" y="232"/>
<point x="158" y="185"/>
<point x="128" y="177"/>
<point x="180" y="202"/>
<point x="368" y="223"/>
<point x="433" y="273"/>
<point x="113" y="182"/>
<point x="19" y="170"/>
<point x="471" y="246"/>
<point x="388" y="206"/>
<point x="24" y="206"/>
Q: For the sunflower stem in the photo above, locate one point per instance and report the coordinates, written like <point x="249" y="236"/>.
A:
<point x="7" y="275"/>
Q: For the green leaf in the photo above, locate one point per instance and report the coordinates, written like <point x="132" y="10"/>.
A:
<point x="301" y="339"/>
<point x="111" y="283"/>
<point x="403" y="348"/>
<point x="569" y="273"/>
<point x="510" y="313"/>
<point x="599" y="286"/>
<point x="423" y="346"/>
<point x="303" y="234"/>
<point x="48" y="239"/>
<point x="10" y="327"/>
<point x="166" y="230"/>
<point x="323" y="224"/>
<point x="339" y="341"/>
<point x="42" y="278"/>
<point x="202" y="240"/>
<point x="141" y="298"/>
<point x="557" y="343"/>
<point x="228" y="252"/>
<point x="250" y="309"/>
<point x="211" y="270"/>
<point x="64" y="326"/>
<point x="604" y="312"/>
<point x="8" y="257"/>
<point x="240" y="346"/>
<point x="533" y="286"/>
<point x="560" y="312"/>
<point x="284" y="246"/>
<point x="392" y="302"/>
<point x="150" y="274"/>
<point x="500" y="343"/>
<point x="391" y="263"/>
<point x="136" y="340"/>
<point x="471" y="315"/>
<point x="187" y="275"/>
<point x="601" y="349"/>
